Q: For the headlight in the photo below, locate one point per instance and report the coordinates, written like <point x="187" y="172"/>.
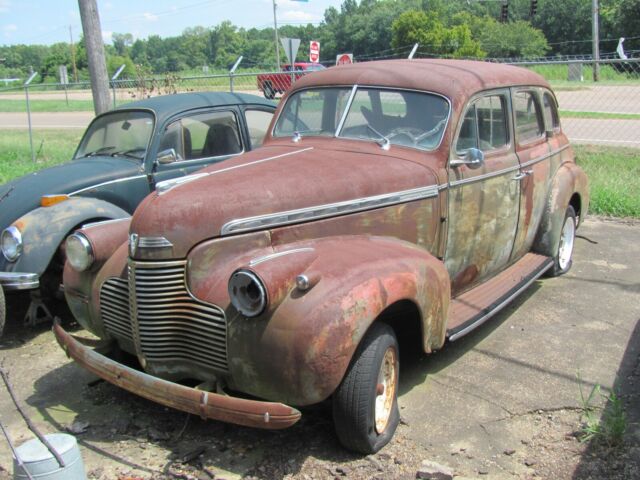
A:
<point x="79" y="252"/>
<point x="247" y="293"/>
<point x="11" y="243"/>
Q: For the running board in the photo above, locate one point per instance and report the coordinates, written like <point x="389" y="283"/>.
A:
<point x="471" y="309"/>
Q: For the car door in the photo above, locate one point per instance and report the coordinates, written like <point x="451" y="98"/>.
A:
<point x="194" y="141"/>
<point x="533" y="150"/>
<point x="483" y="196"/>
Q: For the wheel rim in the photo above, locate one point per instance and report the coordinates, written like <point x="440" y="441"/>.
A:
<point x="386" y="389"/>
<point x="567" y="238"/>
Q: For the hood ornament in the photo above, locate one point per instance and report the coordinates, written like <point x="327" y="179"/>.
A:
<point x="133" y="244"/>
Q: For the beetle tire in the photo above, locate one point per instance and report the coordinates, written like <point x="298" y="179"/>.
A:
<point x="354" y="401"/>
<point x="269" y="93"/>
<point x="562" y="261"/>
<point x="3" y="311"/>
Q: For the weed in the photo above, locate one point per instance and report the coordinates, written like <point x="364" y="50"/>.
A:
<point x="602" y="425"/>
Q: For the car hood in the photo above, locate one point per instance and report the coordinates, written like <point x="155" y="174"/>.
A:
<point x="22" y="195"/>
<point x="270" y="180"/>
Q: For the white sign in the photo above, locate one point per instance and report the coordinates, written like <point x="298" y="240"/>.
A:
<point x="62" y="73"/>
<point x="314" y="51"/>
<point x="344" y="58"/>
<point x="291" y="46"/>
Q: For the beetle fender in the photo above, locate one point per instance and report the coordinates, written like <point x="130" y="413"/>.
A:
<point x="45" y="228"/>
<point x="568" y="180"/>
<point x="299" y="351"/>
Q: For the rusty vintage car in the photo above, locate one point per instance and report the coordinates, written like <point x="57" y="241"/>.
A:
<point x="392" y="203"/>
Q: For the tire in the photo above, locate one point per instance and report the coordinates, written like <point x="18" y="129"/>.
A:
<point x="358" y="399"/>
<point x="3" y="311"/>
<point x="563" y="260"/>
<point x="269" y="93"/>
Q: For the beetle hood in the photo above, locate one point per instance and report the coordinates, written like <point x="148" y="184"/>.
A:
<point x="269" y="181"/>
<point x="22" y="195"/>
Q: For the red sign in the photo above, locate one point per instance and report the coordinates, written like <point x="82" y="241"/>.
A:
<point x="314" y="51"/>
<point x="344" y="59"/>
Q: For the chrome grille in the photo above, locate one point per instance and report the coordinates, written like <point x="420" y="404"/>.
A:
<point x="114" y="307"/>
<point x="172" y="325"/>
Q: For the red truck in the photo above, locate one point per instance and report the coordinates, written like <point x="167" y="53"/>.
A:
<point x="279" y="82"/>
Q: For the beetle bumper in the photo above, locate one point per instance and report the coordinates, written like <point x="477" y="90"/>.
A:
<point x="251" y="413"/>
<point x="19" y="281"/>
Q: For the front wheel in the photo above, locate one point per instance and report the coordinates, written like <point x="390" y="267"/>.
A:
<point x="563" y="259"/>
<point x="269" y="93"/>
<point x="365" y="405"/>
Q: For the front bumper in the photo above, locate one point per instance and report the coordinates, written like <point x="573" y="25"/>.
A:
<point x="251" y="413"/>
<point x="19" y="281"/>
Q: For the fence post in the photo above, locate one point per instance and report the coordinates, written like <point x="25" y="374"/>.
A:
<point x="232" y="71"/>
<point x="113" y="82"/>
<point x="26" y="93"/>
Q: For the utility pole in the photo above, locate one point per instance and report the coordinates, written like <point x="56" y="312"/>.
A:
<point x="595" y="38"/>
<point x="275" y="29"/>
<point x="95" y="55"/>
<point x="73" y="55"/>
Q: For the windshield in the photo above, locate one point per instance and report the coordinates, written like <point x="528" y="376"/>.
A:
<point x="393" y="117"/>
<point x="120" y="133"/>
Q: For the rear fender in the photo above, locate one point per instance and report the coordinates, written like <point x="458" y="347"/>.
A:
<point x="45" y="228"/>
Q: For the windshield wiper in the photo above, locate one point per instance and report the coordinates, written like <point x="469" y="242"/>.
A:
<point x="129" y="153"/>
<point x="384" y="141"/>
<point x="99" y="151"/>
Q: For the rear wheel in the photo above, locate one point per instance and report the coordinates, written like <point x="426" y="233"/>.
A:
<point x="268" y="91"/>
<point x="563" y="259"/>
<point x="365" y="405"/>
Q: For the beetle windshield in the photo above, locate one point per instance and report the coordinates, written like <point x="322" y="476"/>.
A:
<point x="386" y="116"/>
<point x="119" y="133"/>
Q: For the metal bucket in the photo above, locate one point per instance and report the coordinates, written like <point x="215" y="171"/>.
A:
<point x="41" y="463"/>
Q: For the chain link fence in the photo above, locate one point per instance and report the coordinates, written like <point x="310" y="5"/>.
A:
<point x="606" y="112"/>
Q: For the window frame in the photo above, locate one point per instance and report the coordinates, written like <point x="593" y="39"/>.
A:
<point x="533" y="91"/>
<point x="555" y="114"/>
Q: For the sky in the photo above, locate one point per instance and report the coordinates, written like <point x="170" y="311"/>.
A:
<point x="47" y="21"/>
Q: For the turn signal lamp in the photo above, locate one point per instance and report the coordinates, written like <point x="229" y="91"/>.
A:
<point x="51" y="200"/>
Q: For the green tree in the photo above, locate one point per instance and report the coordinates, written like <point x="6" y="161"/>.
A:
<point x="122" y="42"/>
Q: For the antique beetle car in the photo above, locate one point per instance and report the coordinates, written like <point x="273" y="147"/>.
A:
<point x="120" y="158"/>
<point x="392" y="203"/>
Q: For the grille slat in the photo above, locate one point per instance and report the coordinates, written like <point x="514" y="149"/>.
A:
<point x="114" y="307"/>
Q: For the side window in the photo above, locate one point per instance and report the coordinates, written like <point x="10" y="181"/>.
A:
<point x="528" y="117"/>
<point x="484" y="125"/>
<point x="551" y="118"/>
<point x="258" y="123"/>
<point x="201" y="136"/>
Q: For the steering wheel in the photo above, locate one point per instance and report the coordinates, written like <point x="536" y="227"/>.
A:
<point x="410" y="133"/>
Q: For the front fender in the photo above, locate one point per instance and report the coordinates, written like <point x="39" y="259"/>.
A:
<point x="569" y="180"/>
<point x="45" y="228"/>
<point x="300" y="349"/>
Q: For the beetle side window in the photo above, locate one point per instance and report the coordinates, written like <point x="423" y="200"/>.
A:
<point x="202" y="136"/>
<point x="551" y="118"/>
<point x="258" y="123"/>
<point x="484" y="125"/>
<point x="528" y="117"/>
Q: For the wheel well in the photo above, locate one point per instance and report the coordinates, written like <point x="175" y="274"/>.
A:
<point x="404" y="317"/>
<point x="576" y="203"/>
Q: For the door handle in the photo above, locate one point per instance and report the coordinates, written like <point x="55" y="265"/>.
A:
<point x="523" y="174"/>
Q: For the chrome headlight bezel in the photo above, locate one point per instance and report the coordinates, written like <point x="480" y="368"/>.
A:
<point x="79" y="252"/>
<point x="11" y="235"/>
<point x="247" y="293"/>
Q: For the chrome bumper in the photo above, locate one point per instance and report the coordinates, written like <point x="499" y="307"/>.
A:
<point x="251" y="413"/>
<point x="19" y="281"/>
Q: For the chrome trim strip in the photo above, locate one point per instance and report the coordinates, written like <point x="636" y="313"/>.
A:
<point x="544" y="157"/>
<point x="154" y="242"/>
<point x="502" y="304"/>
<point x="266" y="258"/>
<point x="19" y="280"/>
<point x="485" y="176"/>
<point x="327" y="210"/>
<point x="346" y="111"/>
<point x="166" y="185"/>
<point x="104" y="222"/>
<point x="110" y="182"/>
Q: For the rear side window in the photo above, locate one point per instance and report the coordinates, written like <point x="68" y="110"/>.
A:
<point x="258" y="123"/>
<point x="484" y="125"/>
<point x="528" y="117"/>
<point x="551" y="118"/>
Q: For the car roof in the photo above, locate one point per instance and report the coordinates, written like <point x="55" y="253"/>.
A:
<point x="165" y="106"/>
<point x="451" y="78"/>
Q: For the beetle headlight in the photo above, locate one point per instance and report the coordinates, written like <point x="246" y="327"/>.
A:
<point x="247" y="293"/>
<point x="79" y="252"/>
<point x="11" y="243"/>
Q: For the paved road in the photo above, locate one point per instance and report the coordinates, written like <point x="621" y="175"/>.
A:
<point x="17" y="120"/>
<point x="621" y="133"/>
<point x="601" y="98"/>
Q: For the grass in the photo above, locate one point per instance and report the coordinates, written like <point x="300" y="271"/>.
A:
<point x="608" y="74"/>
<point x="53" y="147"/>
<point x="599" y="115"/>
<point x="614" y="179"/>
<point x="604" y="426"/>
<point x="15" y="105"/>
